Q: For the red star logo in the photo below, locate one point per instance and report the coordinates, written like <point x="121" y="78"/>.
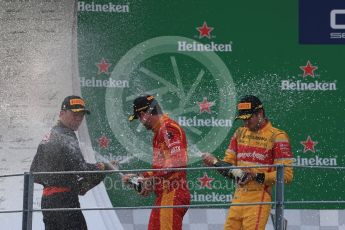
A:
<point x="205" y="105"/>
<point x="205" y="181"/>
<point x="205" y="31"/>
<point x="103" y="142"/>
<point x="309" y="145"/>
<point x="103" y="66"/>
<point x="308" y="70"/>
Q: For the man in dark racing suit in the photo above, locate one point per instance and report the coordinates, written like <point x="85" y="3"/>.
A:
<point x="59" y="151"/>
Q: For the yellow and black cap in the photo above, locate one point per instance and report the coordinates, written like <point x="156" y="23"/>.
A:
<point x="142" y="104"/>
<point x="248" y="106"/>
<point x="75" y="104"/>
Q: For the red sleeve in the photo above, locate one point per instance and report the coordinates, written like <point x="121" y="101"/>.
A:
<point x="231" y="151"/>
<point x="233" y="144"/>
<point x="281" y="147"/>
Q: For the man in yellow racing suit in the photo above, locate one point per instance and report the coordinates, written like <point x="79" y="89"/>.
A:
<point x="255" y="143"/>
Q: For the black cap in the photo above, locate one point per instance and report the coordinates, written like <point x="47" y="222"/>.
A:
<point x="247" y="106"/>
<point x="75" y="104"/>
<point x="142" y="103"/>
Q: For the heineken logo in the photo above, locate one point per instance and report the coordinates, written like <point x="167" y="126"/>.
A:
<point x="210" y="122"/>
<point x="315" y="161"/>
<point x="204" y="32"/>
<point x="205" y="181"/>
<point x="99" y="82"/>
<point x="210" y="47"/>
<point x="103" y="142"/>
<point x="308" y="160"/>
<point x="309" y="145"/>
<point x="205" y="105"/>
<point x="308" y="86"/>
<point x="305" y="84"/>
<point x="103" y="66"/>
<point x="210" y="197"/>
<point x="308" y="69"/>
<point x="106" y="83"/>
<point x="106" y="8"/>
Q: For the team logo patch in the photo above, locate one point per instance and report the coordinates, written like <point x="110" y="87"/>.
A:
<point x="77" y="102"/>
<point x="246" y="105"/>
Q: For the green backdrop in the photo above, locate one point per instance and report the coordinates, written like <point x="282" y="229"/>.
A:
<point x="197" y="51"/>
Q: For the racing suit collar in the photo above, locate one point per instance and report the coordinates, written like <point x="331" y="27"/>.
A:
<point x="266" y="126"/>
<point x="64" y="127"/>
<point x="159" y="123"/>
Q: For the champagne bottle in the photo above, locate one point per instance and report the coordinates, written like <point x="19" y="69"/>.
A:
<point x="135" y="183"/>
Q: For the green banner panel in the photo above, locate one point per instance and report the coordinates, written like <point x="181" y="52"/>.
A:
<point x="198" y="57"/>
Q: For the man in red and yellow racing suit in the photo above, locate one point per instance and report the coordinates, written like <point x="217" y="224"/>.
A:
<point x="256" y="143"/>
<point x="169" y="151"/>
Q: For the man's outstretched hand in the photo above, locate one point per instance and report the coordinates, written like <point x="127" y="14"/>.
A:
<point x="209" y="159"/>
<point x="111" y="165"/>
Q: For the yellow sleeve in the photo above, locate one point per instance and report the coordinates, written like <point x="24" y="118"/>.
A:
<point x="271" y="177"/>
<point x="230" y="157"/>
<point x="147" y="174"/>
